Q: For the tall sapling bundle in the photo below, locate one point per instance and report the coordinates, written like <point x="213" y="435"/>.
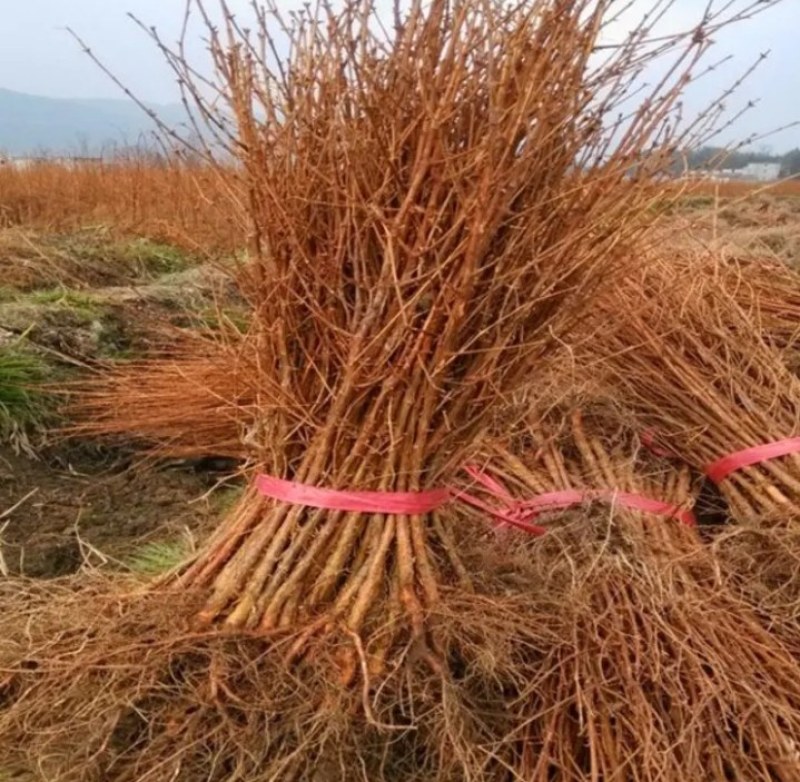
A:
<point x="432" y="209"/>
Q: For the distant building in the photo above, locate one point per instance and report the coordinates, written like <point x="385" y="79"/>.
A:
<point x="762" y="172"/>
<point x="752" y="172"/>
<point x="29" y="162"/>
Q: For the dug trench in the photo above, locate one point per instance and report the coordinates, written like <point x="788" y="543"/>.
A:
<point x="81" y="504"/>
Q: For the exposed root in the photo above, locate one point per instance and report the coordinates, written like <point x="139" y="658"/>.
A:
<point x="762" y="564"/>
<point x="578" y="659"/>
<point x="655" y="675"/>
<point x="103" y="687"/>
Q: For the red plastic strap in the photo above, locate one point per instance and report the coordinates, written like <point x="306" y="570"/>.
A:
<point x="648" y="439"/>
<point x="520" y="513"/>
<point x="570" y="497"/>
<point x="406" y="503"/>
<point x="514" y="515"/>
<point x="723" y="467"/>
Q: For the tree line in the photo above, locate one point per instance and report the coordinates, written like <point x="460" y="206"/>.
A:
<point x="718" y="157"/>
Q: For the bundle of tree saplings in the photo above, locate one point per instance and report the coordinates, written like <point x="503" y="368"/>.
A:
<point x="578" y="456"/>
<point x="661" y="673"/>
<point x="687" y="355"/>
<point x="434" y="201"/>
<point x="659" y="670"/>
<point x="767" y="290"/>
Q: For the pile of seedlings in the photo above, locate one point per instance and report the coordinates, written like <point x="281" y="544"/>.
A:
<point x="713" y="391"/>
<point x="439" y="202"/>
<point x="661" y="668"/>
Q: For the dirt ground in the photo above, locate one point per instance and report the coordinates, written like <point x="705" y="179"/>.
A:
<point x="77" y="303"/>
<point x="81" y="505"/>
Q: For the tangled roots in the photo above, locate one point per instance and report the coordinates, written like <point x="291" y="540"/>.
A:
<point x="580" y="658"/>
<point x="95" y="687"/>
<point x="763" y="565"/>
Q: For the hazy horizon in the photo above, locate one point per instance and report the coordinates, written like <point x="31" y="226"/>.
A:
<point x="39" y="57"/>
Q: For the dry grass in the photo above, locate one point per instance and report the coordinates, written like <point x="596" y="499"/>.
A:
<point x="189" y="206"/>
<point x="39" y="260"/>
<point x="789" y="187"/>
<point x="757" y="224"/>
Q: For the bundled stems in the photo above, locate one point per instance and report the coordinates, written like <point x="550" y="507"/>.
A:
<point x="661" y="669"/>
<point x="688" y="358"/>
<point x="431" y="207"/>
<point x="433" y="211"/>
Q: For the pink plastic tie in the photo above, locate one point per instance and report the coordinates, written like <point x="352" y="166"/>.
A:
<point x="403" y="503"/>
<point x="722" y="468"/>
<point x="568" y="498"/>
<point x="521" y="513"/>
<point x="649" y="441"/>
<point x="513" y="515"/>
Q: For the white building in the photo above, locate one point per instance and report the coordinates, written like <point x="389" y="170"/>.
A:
<point x="752" y="172"/>
<point x="29" y="162"/>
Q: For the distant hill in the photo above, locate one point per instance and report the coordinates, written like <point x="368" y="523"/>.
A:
<point x="30" y="124"/>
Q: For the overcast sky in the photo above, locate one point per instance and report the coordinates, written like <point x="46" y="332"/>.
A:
<point x="38" y="56"/>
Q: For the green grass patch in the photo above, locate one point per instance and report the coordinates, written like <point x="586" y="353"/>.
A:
<point x="154" y="259"/>
<point x="24" y="407"/>
<point x="113" y="256"/>
<point x="696" y="202"/>
<point x="63" y="297"/>
<point x="224" y="499"/>
<point x="157" y="557"/>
